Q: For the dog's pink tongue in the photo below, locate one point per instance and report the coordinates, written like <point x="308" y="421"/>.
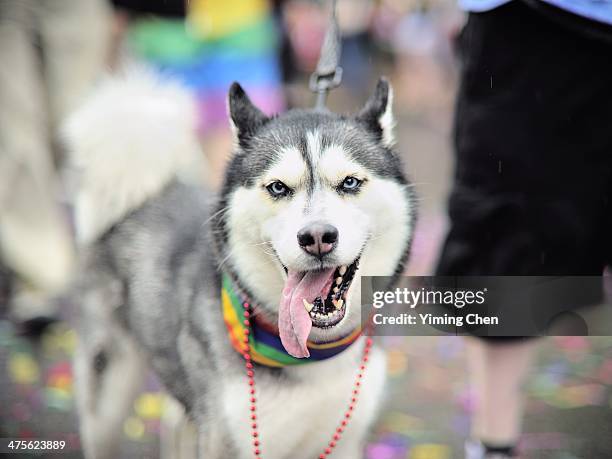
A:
<point x="294" y="322"/>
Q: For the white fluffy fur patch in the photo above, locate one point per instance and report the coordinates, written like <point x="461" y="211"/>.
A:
<point x="127" y="141"/>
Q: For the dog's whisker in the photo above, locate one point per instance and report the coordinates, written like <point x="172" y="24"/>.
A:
<point x="216" y="214"/>
<point x="262" y="243"/>
<point x="221" y="263"/>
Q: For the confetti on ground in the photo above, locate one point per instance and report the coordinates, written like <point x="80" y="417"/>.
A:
<point x="134" y="428"/>
<point x="430" y="451"/>
<point x="23" y="369"/>
<point x="149" y="405"/>
<point x="426" y="413"/>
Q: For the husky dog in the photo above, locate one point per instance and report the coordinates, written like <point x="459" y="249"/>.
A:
<point x="311" y="201"/>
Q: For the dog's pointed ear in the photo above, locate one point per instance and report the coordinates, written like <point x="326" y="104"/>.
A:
<point x="377" y="114"/>
<point x="245" y="118"/>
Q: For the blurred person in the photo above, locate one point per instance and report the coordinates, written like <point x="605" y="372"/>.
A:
<point x="239" y="42"/>
<point x="305" y="23"/>
<point x="417" y="33"/>
<point x="51" y="51"/>
<point x="354" y="18"/>
<point x="126" y="11"/>
<point x="532" y="185"/>
<point x="417" y="40"/>
<point x="207" y="45"/>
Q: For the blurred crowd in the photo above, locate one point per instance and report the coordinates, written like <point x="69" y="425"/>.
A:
<point x="54" y="51"/>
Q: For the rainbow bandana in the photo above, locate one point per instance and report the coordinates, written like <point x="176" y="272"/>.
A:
<point x="266" y="346"/>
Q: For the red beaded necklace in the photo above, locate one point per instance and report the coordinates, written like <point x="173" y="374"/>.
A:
<point x="250" y="372"/>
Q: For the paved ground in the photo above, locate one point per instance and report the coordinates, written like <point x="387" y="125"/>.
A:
<point x="425" y="416"/>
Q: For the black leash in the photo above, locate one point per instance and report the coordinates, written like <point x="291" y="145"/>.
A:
<point x="328" y="73"/>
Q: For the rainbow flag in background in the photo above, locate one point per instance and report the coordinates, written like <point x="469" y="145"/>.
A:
<point x="214" y="19"/>
<point x="220" y="42"/>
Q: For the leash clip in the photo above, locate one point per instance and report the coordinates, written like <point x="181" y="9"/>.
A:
<point x="328" y="73"/>
<point x="327" y="82"/>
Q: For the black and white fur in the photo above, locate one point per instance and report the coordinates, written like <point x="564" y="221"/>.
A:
<point x="154" y="248"/>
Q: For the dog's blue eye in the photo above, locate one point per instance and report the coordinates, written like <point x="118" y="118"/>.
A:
<point x="351" y="184"/>
<point x="278" y="189"/>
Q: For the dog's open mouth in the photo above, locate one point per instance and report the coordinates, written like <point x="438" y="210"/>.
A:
<point x="328" y="311"/>
<point x="312" y="298"/>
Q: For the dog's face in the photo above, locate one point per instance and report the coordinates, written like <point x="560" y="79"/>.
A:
<point x="311" y="201"/>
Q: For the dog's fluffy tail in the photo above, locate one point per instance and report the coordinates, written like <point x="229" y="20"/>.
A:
<point x="135" y="134"/>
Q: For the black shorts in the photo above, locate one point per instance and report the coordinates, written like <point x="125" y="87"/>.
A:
<point x="532" y="192"/>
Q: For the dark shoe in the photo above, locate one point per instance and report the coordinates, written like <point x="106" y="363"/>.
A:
<point x="476" y="450"/>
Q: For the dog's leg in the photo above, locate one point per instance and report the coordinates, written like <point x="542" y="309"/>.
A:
<point x="212" y="444"/>
<point x="179" y="436"/>
<point x="108" y="375"/>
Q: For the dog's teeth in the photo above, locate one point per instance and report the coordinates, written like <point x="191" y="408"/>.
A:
<point x="307" y="305"/>
<point x="339" y="303"/>
<point x="338" y="280"/>
<point x="342" y="270"/>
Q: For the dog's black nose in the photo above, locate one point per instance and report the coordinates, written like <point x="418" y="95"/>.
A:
<point x="318" y="239"/>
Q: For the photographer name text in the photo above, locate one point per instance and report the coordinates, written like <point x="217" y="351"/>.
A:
<point x="412" y="299"/>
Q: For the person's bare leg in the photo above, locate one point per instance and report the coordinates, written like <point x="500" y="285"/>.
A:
<point x="35" y="242"/>
<point x="497" y="372"/>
